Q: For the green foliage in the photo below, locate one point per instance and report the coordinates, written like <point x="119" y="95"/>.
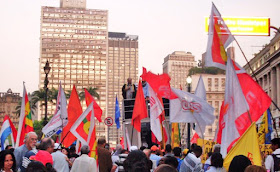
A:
<point x="38" y="125"/>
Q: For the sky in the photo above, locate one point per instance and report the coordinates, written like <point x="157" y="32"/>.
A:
<point x="163" y="26"/>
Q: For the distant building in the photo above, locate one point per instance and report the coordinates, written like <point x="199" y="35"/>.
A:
<point x="74" y="40"/>
<point x="266" y="66"/>
<point x="8" y="103"/>
<point x="177" y="66"/>
<point x="122" y="64"/>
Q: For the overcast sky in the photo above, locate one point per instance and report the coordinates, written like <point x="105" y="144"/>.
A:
<point x="163" y="26"/>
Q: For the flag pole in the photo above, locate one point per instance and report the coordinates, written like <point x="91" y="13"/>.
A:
<point x="132" y="133"/>
<point x="254" y="75"/>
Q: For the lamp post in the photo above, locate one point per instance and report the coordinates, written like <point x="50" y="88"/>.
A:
<point x="47" y="69"/>
<point x="189" y="81"/>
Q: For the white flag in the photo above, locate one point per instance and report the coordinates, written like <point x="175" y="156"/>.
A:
<point x="235" y="105"/>
<point x="191" y="109"/>
<point x="200" y="89"/>
<point x="201" y="93"/>
<point x="60" y="118"/>
<point x="83" y="140"/>
<point x="156" y="109"/>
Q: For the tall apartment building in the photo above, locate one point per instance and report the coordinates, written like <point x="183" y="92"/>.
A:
<point x="266" y="67"/>
<point x="122" y="64"/>
<point x="177" y="66"/>
<point x="8" y="103"/>
<point x="74" y="40"/>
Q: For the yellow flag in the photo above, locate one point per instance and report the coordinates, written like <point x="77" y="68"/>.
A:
<point x="248" y="146"/>
<point x="263" y="129"/>
<point x="207" y="146"/>
<point x="175" y="135"/>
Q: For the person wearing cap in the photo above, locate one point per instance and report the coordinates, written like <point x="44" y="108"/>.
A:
<point x="154" y="157"/>
<point x="84" y="163"/>
<point x="60" y="160"/>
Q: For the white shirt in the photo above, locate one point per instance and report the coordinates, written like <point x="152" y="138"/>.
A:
<point x="84" y="164"/>
<point x="59" y="162"/>
<point x="269" y="162"/>
<point x="115" y="158"/>
<point x="214" y="169"/>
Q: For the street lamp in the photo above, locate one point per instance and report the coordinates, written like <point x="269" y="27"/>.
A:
<point x="189" y="81"/>
<point x="47" y="69"/>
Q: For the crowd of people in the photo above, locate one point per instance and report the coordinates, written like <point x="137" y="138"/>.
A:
<point x="47" y="156"/>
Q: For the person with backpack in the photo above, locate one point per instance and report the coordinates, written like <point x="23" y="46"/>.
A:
<point x="272" y="162"/>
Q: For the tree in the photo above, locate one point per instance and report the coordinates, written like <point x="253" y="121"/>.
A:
<point x="33" y="108"/>
<point x="92" y="91"/>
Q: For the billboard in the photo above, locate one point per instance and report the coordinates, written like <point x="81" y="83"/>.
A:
<point x="247" y="26"/>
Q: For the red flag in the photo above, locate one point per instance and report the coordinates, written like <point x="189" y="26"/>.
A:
<point x="159" y="83"/>
<point x="140" y="108"/>
<point x="194" y="138"/>
<point x="74" y="111"/>
<point x="256" y="98"/>
<point x="97" y="109"/>
<point x="14" y="130"/>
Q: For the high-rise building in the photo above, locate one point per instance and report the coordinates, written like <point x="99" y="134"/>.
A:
<point x="74" y="40"/>
<point x="8" y="103"/>
<point x="122" y="64"/>
<point x="177" y="66"/>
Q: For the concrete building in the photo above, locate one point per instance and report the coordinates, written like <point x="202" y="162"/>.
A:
<point x="74" y="40"/>
<point x="122" y="64"/>
<point x="8" y="103"/>
<point x="177" y="66"/>
<point x="266" y="67"/>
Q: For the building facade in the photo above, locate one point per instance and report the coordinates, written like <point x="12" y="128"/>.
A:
<point x="8" y="103"/>
<point x="266" y="67"/>
<point x="177" y="66"/>
<point x="122" y="64"/>
<point x="74" y="40"/>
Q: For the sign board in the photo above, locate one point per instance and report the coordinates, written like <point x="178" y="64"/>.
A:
<point x="109" y="121"/>
<point x="247" y="26"/>
<point x="207" y="146"/>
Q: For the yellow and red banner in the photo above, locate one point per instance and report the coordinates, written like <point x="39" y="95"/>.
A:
<point x="175" y="135"/>
<point x="207" y="146"/>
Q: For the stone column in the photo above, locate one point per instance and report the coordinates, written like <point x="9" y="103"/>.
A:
<point x="278" y="84"/>
<point x="273" y="86"/>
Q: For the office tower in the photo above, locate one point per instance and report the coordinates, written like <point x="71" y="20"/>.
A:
<point x="122" y="64"/>
<point x="177" y="66"/>
<point x="74" y="40"/>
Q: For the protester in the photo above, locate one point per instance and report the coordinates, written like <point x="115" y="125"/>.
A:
<point x="216" y="163"/>
<point x="168" y="150"/>
<point x="116" y="158"/>
<point x="153" y="156"/>
<point x="8" y="147"/>
<point x="129" y="90"/>
<point x="122" y="157"/>
<point x="145" y="87"/>
<point x="270" y="162"/>
<point x="165" y="168"/>
<point x="239" y="163"/>
<point x="84" y="163"/>
<point x="255" y="168"/>
<point x="216" y="149"/>
<point x="7" y="161"/>
<point x="177" y="154"/>
<point x="65" y="151"/>
<point x="36" y="166"/>
<point x="60" y="161"/>
<point x="44" y="155"/>
<point x="192" y="161"/>
<point x="171" y="160"/>
<point x="136" y="161"/>
<point x="142" y="148"/>
<point x="104" y="156"/>
<point x="72" y="154"/>
<point x="30" y="140"/>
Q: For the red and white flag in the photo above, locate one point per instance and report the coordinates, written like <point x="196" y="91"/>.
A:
<point x="235" y="105"/>
<point x="191" y="109"/>
<point x="156" y="109"/>
<point x="83" y="127"/>
<point x="219" y="38"/>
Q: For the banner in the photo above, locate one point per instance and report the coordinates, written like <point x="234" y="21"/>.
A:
<point x="207" y="146"/>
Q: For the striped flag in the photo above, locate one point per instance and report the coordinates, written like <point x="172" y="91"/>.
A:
<point x="7" y="131"/>
<point x="25" y="120"/>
